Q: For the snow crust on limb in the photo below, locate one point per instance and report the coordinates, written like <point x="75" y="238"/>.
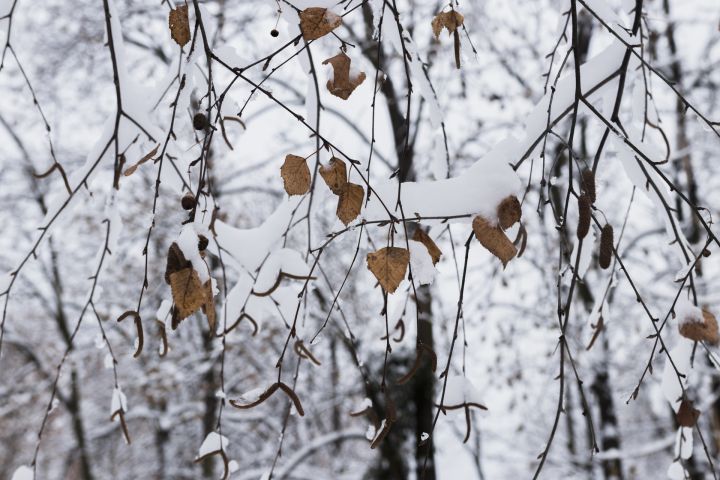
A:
<point x="214" y="442"/>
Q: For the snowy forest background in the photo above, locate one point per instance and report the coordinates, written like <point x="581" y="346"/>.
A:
<point x="116" y="143"/>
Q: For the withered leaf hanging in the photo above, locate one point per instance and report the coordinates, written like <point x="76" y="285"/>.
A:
<point x="296" y="175"/>
<point x="179" y="25"/>
<point x="509" y="212"/>
<point x="421" y="236"/>
<point x="188" y="292"/>
<point x="702" y="331"/>
<point x="687" y="415"/>
<point x="450" y="21"/>
<point x="316" y="22"/>
<point x="334" y="174"/>
<point x="494" y="239"/>
<point x="389" y="266"/>
<point x="350" y="202"/>
<point x="344" y="81"/>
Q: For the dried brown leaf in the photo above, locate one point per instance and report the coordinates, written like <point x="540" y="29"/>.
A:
<point x="296" y="175"/>
<point x="449" y="20"/>
<point x="389" y="265"/>
<point x="705" y="331"/>
<point x="316" y="22"/>
<point x="176" y="261"/>
<point x="687" y="415"/>
<point x="421" y="236"/>
<point x="342" y="83"/>
<point x="187" y="292"/>
<point x="350" y="202"/>
<point x="494" y="239"/>
<point x="509" y="212"/>
<point x="179" y="25"/>
<point x="335" y="175"/>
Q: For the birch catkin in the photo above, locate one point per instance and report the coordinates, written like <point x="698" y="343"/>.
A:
<point x="588" y="184"/>
<point x="606" y="246"/>
<point x="585" y="213"/>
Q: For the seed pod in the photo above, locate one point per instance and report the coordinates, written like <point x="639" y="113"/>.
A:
<point x="200" y="121"/>
<point x="585" y="213"/>
<point x="606" y="246"/>
<point x="274" y="32"/>
<point x="188" y="201"/>
<point x="588" y="184"/>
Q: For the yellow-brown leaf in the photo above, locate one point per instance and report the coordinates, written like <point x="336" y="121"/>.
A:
<point x="335" y="175"/>
<point x="705" y="331"/>
<point x="449" y="20"/>
<point x="509" y="212"/>
<point x="179" y="25"/>
<point x="296" y="175"/>
<point x="432" y="248"/>
<point x="494" y="239"/>
<point x="350" y="202"/>
<point x="187" y="292"/>
<point x="342" y="83"/>
<point x="389" y="265"/>
<point x="316" y="22"/>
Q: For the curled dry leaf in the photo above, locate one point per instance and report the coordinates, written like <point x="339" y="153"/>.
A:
<point x="509" y="212"/>
<point x="494" y="239"/>
<point x="176" y="261"/>
<point x="350" y="202"/>
<point x="335" y="175"/>
<point x="449" y="20"/>
<point x="316" y="22"/>
<point x="687" y="415"/>
<point x="187" y="292"/>
<point x="179" y="25"/>
<point x="421" y="236"/>
<point x="296" y="175"/>
<point x="343" y="82"/>
<point x="705" y="331"/>
<point x="389" y="265"/>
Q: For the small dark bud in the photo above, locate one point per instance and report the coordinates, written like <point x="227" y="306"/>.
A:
<point x="188" y="201"/>
<point x="274" y="32"/>
<point x="200" y="121"/>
